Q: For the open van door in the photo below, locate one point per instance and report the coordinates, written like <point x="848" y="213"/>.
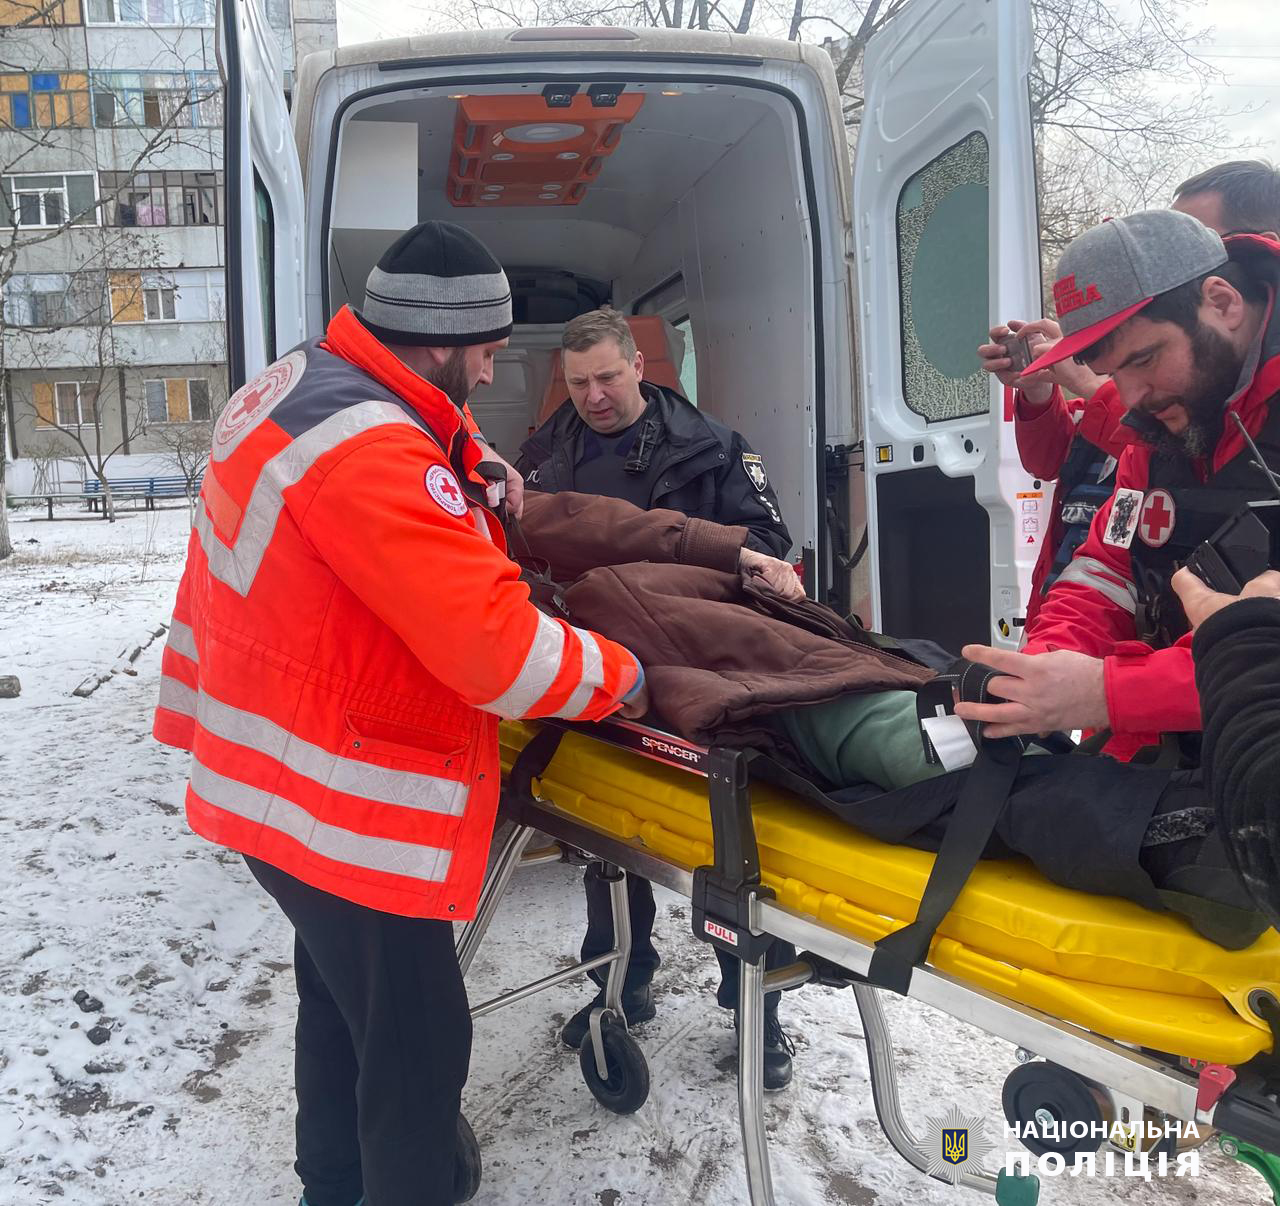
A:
<point x="947" y="236"/>
<point x="264" y="195"/>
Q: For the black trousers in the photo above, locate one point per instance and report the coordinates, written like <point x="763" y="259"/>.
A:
<point x="644" y="957"/>
<point x="383" y="1042"/>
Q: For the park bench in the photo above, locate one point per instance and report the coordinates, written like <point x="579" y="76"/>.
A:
<point x="48" y="497"/>
<point x="145" y="489"/>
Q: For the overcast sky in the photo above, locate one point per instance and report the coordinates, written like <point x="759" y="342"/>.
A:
<point x="1244" y="46"/>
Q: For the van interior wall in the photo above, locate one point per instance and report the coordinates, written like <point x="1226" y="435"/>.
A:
<point x="738" y="241"/>
<point x="709" y="192"/>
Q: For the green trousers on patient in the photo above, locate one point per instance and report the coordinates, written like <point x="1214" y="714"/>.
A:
<point x="873" y="738"/>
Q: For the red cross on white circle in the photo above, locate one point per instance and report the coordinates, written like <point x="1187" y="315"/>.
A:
<point x="1156" y="525"/>
<point x="444" y="488"/>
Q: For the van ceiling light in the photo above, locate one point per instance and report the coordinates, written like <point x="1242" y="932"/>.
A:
<point x="506" y="152"/>
<point x="542" y="132"/>
<point x="672" y="92"/>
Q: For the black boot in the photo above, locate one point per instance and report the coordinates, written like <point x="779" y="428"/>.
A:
<point x="778" y="1050"/>
<point x="637" y="1004"/>
<point x="1206" y="891"/>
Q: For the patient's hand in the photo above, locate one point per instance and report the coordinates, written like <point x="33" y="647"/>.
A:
<point x="778" y="577"/>
<point x="1200" y="602"/>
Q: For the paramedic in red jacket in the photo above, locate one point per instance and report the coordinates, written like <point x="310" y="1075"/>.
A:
<point x="347" y="633"/>
<point x="1186" y="329"/>
<point x="1076" y="442"/>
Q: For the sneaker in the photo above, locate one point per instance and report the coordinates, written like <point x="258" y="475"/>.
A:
<point x="778" y="1050"/>
<point x="637" y="1005"/>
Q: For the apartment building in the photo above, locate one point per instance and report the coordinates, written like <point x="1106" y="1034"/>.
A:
<point x="111" y="222"/>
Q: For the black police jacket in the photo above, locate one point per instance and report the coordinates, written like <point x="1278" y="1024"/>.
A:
<point x="703" y="469"/>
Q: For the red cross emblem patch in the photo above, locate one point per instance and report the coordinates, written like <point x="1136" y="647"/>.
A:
<point x="444" y="488"/>
<point x="1156" y="524"/>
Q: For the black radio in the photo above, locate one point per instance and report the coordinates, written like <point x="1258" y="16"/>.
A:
<point x="1248" y="544"/>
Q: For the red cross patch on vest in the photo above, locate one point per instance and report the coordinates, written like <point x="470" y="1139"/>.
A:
<point x="1155" y="525"/>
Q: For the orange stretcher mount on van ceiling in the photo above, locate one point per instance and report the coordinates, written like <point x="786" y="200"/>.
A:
<point x="519" y="150"/>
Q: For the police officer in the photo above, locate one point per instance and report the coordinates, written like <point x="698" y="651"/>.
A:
<point x="624" y="437"/>
<point x="621" y="436"/>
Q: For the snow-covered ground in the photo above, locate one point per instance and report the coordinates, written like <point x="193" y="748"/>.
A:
<point x="186" y="1098"/>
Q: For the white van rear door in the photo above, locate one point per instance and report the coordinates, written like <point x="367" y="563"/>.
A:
<point x="264" y="195"/>
<point x="947" y="244"/>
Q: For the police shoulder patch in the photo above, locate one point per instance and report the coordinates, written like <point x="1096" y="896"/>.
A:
<point x="754" y="466"/>
<point x="444" y="489"/>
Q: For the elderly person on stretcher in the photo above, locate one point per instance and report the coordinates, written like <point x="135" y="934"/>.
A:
<point x="735" y="654"/>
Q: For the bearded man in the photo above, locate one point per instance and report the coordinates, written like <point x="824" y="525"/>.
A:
<point x="1184" y="325"/>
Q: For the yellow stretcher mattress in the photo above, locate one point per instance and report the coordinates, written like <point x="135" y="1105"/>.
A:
<point x="1103" y="963"/>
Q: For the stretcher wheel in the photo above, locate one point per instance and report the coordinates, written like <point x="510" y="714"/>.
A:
<point x="627" y="1087"/>
<point x="1040" y="1094"/>
<point x="466" y="1163"/>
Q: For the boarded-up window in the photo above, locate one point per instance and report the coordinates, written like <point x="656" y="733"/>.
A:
<point x="43" y="393"/>
<point x="177" y="400"/>
<point x="126" y="297"/>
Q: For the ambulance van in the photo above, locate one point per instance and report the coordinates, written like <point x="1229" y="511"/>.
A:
<point x="702" y="184"/>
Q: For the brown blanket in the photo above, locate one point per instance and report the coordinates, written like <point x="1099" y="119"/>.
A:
<point x="719" y="654"/>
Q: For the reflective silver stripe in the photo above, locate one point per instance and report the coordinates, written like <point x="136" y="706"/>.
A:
<point x="182" y="640"/>
<point x="176" y="696"/>
<point x="408" y="789"/>
<point x="355" y="849"/>
<point x="592" y="676"/>
<point x="539" y="671"/>
<point x="1086" y="571"/>
<point x="238" y="564"/>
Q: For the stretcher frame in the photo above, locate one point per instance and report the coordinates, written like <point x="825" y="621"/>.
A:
<point x="744" y="919"/>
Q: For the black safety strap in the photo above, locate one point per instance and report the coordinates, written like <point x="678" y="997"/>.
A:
<point x="531" y="763"/>
<point x="981" y="801"/>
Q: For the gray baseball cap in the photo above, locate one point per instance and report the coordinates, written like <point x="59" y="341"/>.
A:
<point x="1121" y="265"/>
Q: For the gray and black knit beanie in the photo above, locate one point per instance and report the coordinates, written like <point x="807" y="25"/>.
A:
<point x="437" y="285"/>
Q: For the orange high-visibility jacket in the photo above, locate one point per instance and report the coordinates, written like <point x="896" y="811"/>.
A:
<point x="349" y="630"/>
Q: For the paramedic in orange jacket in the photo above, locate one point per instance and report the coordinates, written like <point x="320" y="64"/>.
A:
<point x="347" y="634"/>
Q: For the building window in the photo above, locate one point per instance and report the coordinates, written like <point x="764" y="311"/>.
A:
<point x="54" y="299"/>
<point x="44" y="99"/>
<point x="150" y="12"/>
<point x="65" y="403"/>
<point x="178" y="400"/>
<point x="943" y="253"/>
<point x="29" y="14"/>
<point x="49" y="201"/>
<point x="162" y="198"/>
<point x="158" y="300"/>
<point x="156" y="99"/>
<point x="175" y="295"/>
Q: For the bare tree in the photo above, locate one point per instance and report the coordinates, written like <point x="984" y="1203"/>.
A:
<point x="186" y="445"/>
<point x="161" y="120"/>
<point x="80" y="409"/>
